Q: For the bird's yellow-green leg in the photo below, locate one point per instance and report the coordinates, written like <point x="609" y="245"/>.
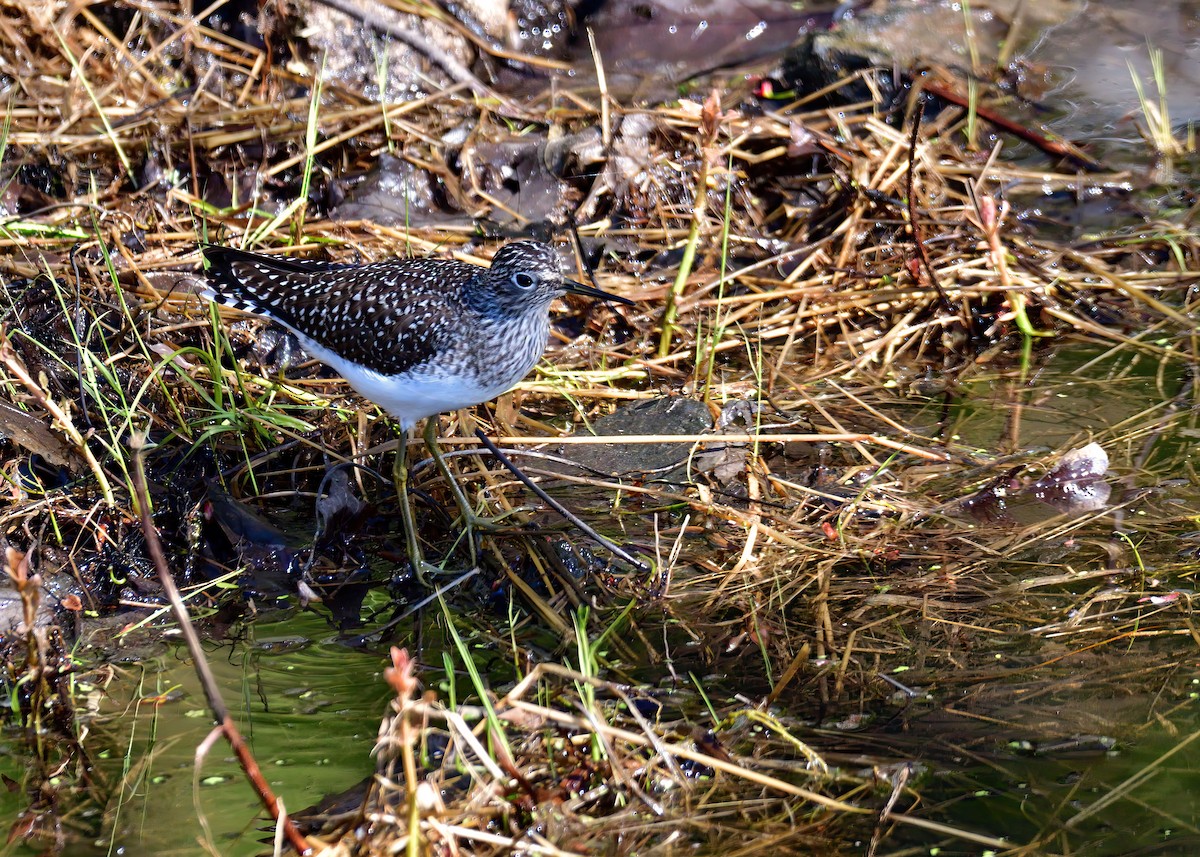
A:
<point x="471" y="521"/>
<point x="412" y="541"/>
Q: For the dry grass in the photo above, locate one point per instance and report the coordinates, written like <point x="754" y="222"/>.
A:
<point x="819" y="304"/>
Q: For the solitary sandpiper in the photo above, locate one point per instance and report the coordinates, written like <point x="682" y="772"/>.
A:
<point x="416" y="336"/>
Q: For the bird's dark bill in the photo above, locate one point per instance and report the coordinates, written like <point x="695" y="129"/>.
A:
<point x="592" y="292"/>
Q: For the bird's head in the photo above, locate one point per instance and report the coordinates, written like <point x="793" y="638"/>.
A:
<point x="525" y="277"/>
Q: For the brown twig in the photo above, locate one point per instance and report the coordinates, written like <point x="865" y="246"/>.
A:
<point x="918" y="242"/>
<point x="1038" y="139"/>
<point x="208" y="682"/>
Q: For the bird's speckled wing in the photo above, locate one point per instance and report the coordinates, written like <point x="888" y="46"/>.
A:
<point x="390" y="316"/>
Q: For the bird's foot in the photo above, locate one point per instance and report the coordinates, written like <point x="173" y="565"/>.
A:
<point x="427" y="573"/>
<point x="485" y="523"/>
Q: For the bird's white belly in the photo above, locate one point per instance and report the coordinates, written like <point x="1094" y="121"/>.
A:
<point x="413" y="396"/>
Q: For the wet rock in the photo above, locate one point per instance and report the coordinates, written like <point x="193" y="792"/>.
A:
<point x="1077" y="484"/>
<point x="665" y="41"/>
<point x="237" y="536"/>
<point x="396" y="193"/>
<point x="915" y="34"/>
<point x="365" y="59"/>
<point x="57" y="594"/>
<point x="35" y="436"/>
<point x="670" y="415"/>
<point x="527" y="175"/>
<point x="1074" y="486"/>
<point x="12" y="616"/>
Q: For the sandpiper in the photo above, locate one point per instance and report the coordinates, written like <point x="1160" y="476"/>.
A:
<point x="416" y="336"/>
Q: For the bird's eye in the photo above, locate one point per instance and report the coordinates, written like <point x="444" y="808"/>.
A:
<point x="523" y="281"/>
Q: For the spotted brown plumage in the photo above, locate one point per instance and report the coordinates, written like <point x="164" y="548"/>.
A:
<point x="416" y="336"/>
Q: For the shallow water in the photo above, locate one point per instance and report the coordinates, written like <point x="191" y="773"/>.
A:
<point x="310" y="706"/>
